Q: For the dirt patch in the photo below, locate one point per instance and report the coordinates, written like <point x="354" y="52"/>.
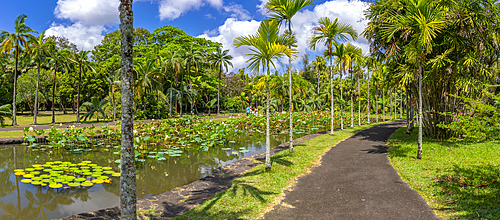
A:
<point x="182" y="199"/>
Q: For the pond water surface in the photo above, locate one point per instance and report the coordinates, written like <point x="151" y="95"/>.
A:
<point x="25" y="201"/>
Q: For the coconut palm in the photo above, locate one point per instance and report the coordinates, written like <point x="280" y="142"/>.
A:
<point x="82" y="60"/>
<point x="221" y="59"/>
<point x="267" y="44"/>
<point x="329" y="33"/>
<point x="16" y="40"/>
<point x="283" y="11"/>
<point x="60" y="57"/>
<point x="422" y="21"/>
<point x="39" y="52"/>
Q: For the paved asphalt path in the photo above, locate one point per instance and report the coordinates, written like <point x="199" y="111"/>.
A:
<point x="355" y="181"/>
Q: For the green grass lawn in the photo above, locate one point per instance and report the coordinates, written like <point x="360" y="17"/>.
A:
<point x="256" y="192"/>
<point x="45" y="118"/>
<point x="458" y="180"/>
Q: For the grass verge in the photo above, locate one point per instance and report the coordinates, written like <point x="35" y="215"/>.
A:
<point x="256" y="192"/>
<point x="458" y="180"/>
<point x="45" y="118"/>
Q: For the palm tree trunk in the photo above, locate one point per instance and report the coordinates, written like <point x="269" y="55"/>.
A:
<point x="383" y="104"/>
<point x="352" y="101"/>
<point x="368" y="94"/>
<point x="54" y="96"/>
<point x="341" y="103"/>
<point x="35" y="113"/>
<point x="268" y="138"/>
<point x="390" y="104"/>
<point x="14" y="121"/>
<point x="128" y="198"/>
<point x="407" y="116"/>
<point x="359" y="105"/>
<point x="331" y="96"/>
<point x="420" y="73"/>
<point x="170" y="107"/>
<point x="114" y="103"/>
<point x="78" y="97"/>
<point x="290" y="90"/>
<point x="401" y="103"/>
<point x="218" y="91"/>
<point x="318" y="81"/>
<point x="376" y="103"/>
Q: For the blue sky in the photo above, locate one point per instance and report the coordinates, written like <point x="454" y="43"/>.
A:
<point x="85" y="22"/>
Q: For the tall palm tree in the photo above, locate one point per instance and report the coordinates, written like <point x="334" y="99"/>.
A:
<point x="60" y="57"/>
<point x="319" y="65"/>
<point x="221" y="59"/>
<point x="267" y="44"/>
<point x="422" y="21"/>
<point x="128" y="197"/>
<point x="82" y="60"/>
<point x="353" y="58"/>
<point x="283" y="11"/>
<point x="193" y="57"/>
<point x="172" y="62"/>
<point x="342" y="61"/>
<point x="370" y="62"/>
<point x="40" y="50"/>
<point x="17" y="39"/>
<point x="329" y="32"/>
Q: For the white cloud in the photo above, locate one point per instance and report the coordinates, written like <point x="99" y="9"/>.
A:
<point x="172" y="9"/>
<point x="303" y="22"/>
<point x="88" y="12"/>
<point x="237" y="11"/>
<point x="85" y="37"/>
<point x="260" y="7"/>
<point x="231" y="29"/>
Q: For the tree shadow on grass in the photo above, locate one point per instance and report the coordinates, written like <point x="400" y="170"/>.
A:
<point x="470" y="191"/>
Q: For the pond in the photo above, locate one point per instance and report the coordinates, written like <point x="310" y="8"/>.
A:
<point x="20" y="200"/>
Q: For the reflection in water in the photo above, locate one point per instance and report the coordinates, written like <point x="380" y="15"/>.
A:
<point x="26" y="201"/>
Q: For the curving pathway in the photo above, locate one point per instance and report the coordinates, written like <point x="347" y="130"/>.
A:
<point x="354" y="181"/>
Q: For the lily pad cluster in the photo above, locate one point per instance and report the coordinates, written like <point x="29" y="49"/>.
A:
<point x="60" y="174"/>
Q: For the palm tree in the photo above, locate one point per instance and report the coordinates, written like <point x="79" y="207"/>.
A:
<point x="319" y="65"/>
<point x="145" y="78"/>
<point x="58" y="57"/>
<point x="353" y="58"/>
<point x="40" y="51"/>
<point x="17" y="39"/>
<point x="193" y="58"/>
<point x="221" y="59"/>
<point x="422" y="21"/>
<point x="95" y="107"/>
<point x="128" y="197"/>
<point x="283" y="11"/>
<point x="370" y="62"/>
<point x="329" y="32"/>
<point x="81" y="58"/>
<point x="172" y="61"/>
<point x="267" y="44"/>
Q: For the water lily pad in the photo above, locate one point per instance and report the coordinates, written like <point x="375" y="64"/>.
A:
<point x="96" y="175"/>
<point x="35" y="172"/>
<point x="36" y="178"/>
<point x="29" y="176"/>
<point x="36" y="183"/>
<point x="45" y="176"/>
<point x="87" y="173"/>
<point x="19" y="173"/>
<point x="29" y="169"/>
<point x="226" y="148"/>
<point x="47" y="170"/>
<point x="39" y="168"/>
<point x="73" y="184"/>
<point x="55" y="186"/>
<point x="46" y="181"/>
<point x="81" y="179"/>
<point x="86" y="184"/>
<point x="115" y="174"/>
<point x="26" y="180"/>
<point x="107" y="168"/>
<point x="103" y="177"/>
<point x="234" y="152"/>
<point x="98" y="181"/>
<point x="86" y="161"/>
<point x="36" y="165"/>
<point x="244" y="151"/>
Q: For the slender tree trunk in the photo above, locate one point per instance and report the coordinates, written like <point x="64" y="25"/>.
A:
<point x="376" y="103"/>
<point x="331" y="96"/>
<point x="54" y="96"/>
<point x="401" y="103"/>
<point x="319" y="72"/>
<point x="395" y="103"/>
<point x="128" y="197"/>
<point x="390" y="104"/>
<point x="341" y="103"/>
<point x="78" y="97"/>
<point x="170" y="107"/>
<point x="35" y="113"/>
<point x="218" y="92"/>
<point x="114" y="103"/>
<point x="268" y="138"/>
<point x="290" y="89"/>
<point x="407" y="116"/>
<point x="359" y="105"/>
<point x="383" y="104"/>
<point x="352" y="100"/>
<point x="368" y="94"/>
<point x="14" y="121"/>
<point x="420" y="73"/>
